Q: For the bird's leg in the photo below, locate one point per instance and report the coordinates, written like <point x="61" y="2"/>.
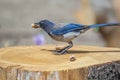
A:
<point x="64" y="50"/>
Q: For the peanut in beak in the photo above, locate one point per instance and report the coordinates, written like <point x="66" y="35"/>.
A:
<point x="35" y="26"/>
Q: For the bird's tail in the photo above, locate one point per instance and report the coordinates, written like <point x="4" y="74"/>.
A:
<point x="103" y="25"/>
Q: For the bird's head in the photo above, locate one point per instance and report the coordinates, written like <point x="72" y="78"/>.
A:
<point x="43" y="24"/>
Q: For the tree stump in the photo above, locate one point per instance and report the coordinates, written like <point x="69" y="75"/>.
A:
<point x="40" y="63"/>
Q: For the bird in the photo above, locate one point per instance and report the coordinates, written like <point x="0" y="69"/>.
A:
<point x="67" y="32"/>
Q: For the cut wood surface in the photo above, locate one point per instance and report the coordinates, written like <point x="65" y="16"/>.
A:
<point x="40" y="63"/>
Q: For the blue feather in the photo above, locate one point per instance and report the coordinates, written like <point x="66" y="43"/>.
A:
<point x="103" y="25"/>
<point x="67" y="28"/>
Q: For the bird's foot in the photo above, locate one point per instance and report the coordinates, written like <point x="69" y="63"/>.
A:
<point x="60" y="52"/>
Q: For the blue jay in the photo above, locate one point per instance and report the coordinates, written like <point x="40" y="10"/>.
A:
<point x="67" y="32"/>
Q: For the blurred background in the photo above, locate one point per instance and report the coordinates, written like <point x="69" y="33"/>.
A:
<point x="16" y="17"/>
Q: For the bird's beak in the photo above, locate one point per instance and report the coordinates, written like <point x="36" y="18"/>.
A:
<point x="35" y="25"/>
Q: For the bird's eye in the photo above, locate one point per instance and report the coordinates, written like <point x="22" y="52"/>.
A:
<point x="41" y="23"/>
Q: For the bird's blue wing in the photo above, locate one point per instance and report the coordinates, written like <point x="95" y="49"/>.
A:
<point x="67" y="28"/>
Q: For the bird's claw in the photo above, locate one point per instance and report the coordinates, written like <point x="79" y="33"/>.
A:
<point x="60" y="52"/>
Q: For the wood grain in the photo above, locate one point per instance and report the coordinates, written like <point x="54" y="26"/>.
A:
<point x="40" y="63"/>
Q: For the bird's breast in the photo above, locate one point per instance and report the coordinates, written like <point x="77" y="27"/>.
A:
<point x="66" y="37"/>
